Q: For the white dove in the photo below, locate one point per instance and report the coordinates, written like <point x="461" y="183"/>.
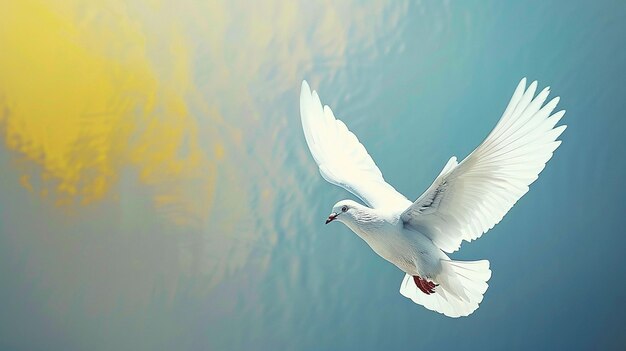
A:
<point x="465" y="200"/>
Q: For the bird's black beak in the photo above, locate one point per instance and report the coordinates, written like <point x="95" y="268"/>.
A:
<point x="331" y="217"/>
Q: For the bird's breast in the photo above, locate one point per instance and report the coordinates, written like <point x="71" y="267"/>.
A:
<point x="387" y="241"/>
<point x="410" y="251"/>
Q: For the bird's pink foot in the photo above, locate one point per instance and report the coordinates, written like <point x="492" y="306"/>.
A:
<point x="424" y="285"/>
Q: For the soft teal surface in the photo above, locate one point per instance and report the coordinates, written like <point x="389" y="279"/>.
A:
<point x="259" y="270"/>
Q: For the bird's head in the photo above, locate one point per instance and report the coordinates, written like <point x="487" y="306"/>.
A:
<point x="343" y="211"/>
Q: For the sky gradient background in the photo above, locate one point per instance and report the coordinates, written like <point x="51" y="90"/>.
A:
<point x="157" y="192"/>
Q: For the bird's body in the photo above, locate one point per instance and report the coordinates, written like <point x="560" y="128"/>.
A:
<point x="465" y="200"/>
<point x="409" y="250"/>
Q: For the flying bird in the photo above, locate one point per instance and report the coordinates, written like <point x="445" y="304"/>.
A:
<point x="464" y="201"/>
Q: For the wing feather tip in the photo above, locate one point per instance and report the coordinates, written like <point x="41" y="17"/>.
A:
<point x="305" y="90"/>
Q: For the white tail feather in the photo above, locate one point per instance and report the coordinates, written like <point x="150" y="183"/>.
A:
<point x="461" y="288"/>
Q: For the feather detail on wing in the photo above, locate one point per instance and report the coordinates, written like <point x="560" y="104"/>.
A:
<point x="341" y="158"/>
<point x="468" y="199"/>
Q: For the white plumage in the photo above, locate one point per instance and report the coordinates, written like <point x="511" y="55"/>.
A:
<point x="465" y="200"/>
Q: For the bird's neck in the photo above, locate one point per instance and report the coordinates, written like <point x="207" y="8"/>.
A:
<point x="366" y="222"/>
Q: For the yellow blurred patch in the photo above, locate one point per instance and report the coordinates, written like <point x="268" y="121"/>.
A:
<point x="82" y="99"/>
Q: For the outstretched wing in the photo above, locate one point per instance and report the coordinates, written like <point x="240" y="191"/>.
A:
<point x="468" y="199"/>
<point x="341" y="158"/>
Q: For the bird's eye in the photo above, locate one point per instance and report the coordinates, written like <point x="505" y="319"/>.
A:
<point x="344" y="208"/>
